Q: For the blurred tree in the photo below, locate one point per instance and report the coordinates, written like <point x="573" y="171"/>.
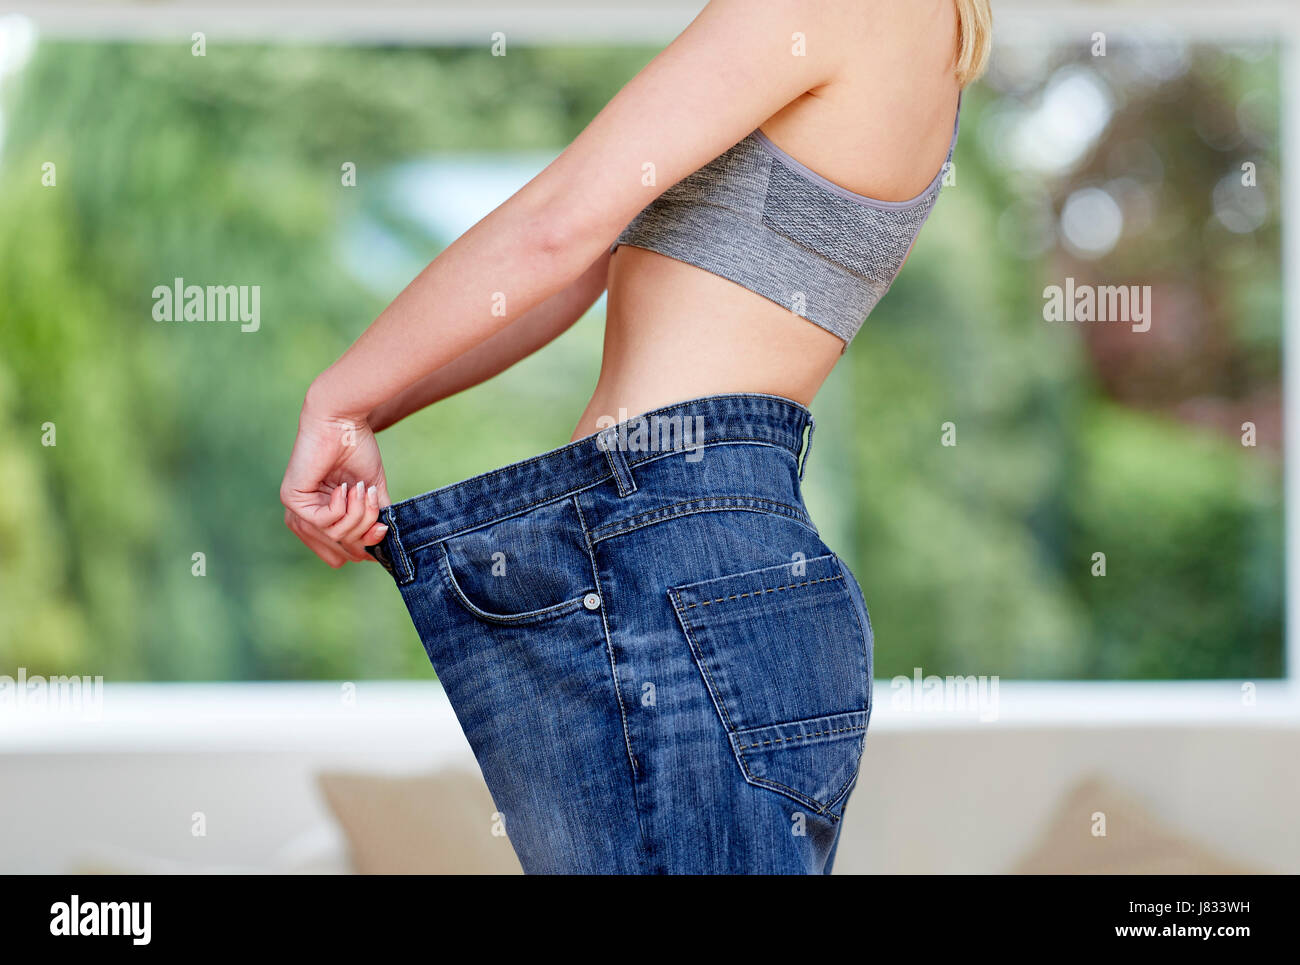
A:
<point x="975" y="558"/>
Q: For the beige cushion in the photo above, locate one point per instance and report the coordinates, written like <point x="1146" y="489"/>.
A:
<point x="430" y="824"/>
<point x="1136" y="842"/>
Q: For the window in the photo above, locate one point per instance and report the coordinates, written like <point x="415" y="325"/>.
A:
<point x="972" y="458"/>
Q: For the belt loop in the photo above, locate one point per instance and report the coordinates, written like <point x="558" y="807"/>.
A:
<point x="607" y="441"/>
<point x="807" y="446"/>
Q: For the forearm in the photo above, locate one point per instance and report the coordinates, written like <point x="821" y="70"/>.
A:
<point x="492" y="276"/>
<point x="537" y="328"/>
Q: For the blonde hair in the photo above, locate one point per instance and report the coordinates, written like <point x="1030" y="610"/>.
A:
<point x="974" y="39"/>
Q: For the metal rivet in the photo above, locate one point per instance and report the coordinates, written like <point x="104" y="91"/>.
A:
<point x="591" y="601"/>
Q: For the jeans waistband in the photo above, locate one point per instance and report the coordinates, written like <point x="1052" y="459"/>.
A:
<point x="606" y="455"/>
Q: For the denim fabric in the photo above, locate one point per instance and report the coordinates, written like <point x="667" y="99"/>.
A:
<point x="658" y="663"/>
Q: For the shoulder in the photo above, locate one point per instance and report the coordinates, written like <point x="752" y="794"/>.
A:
<point x="841" y="30"/>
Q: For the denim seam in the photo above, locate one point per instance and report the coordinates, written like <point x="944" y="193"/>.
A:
<point x="696" y="512"/>
<point x="641" y="520"/>
<point x="700" y="587"/>
<point x="700" y="662"/>
<point x="866" y="657"/>
<point x="800" y="737"/>
<point x="848" y="784"/>
<point x="780" y="788"/>
<point x="806" y="447"/>
<point x="408" y="568"/>
<point x="613" y="670"/>
<point x="823" y="809"/>
<point x="771" y="589"/>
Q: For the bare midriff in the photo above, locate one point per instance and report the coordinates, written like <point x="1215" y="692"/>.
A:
<point x="676" y="332"/>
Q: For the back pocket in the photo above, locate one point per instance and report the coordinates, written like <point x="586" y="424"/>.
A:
<point x="783" y="653"/>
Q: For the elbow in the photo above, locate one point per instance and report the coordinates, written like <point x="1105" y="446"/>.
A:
<point x="562" y="235"/>
<point x="555" y="234"/>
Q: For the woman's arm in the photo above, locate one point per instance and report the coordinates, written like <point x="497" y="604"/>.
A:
<point x="538" y="327"/>
<point x="732" y="68"/>
<point x="738" y="63"/>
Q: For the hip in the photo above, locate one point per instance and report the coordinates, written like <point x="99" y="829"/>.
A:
<point x="692" y="515"/>
<point x="653" y="601"/>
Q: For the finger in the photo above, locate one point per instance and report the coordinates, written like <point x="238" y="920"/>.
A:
<point x="352" y="540"/>
<point x="311" y="537"/>
<point x="319" y="508"/>
<point x="372" y="537"/>
<point x="355" y="508"/>
<point x="370" y="513"/>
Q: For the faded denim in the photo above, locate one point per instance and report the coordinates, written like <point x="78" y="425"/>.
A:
<point x="660" y="666"/>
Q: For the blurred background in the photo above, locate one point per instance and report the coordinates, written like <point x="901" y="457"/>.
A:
<point x="1130" y="144"/>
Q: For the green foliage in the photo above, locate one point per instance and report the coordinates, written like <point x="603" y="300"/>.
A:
<point x="1193" y="544"/>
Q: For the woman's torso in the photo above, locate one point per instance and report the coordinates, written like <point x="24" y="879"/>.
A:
<point x="882" y="129"/>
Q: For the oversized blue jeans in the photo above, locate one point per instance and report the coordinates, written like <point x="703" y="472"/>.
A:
<point x="660" y="666"/>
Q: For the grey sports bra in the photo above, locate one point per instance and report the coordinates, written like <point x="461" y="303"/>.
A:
<point x="758" y="217"/>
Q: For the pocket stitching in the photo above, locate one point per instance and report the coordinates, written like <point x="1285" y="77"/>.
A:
<point x="825" y="810"/>
<point x="800" y="737"/>
<point x="690" y="507"/>
<point x="773" y="589"/>
<point x="833" y="800"/>
<point x="702" y="664"/>
<point x="509" y="619"/>
<point x="700" y="586"/>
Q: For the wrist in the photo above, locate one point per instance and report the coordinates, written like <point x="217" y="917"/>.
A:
<point x="323" y="401"/>
<point x="380" y="417"/>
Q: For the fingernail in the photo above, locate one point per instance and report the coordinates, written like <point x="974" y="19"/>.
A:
<point x="372" y="496"/>
<point x="361" y="489"/>
<point x="383" y="530"/>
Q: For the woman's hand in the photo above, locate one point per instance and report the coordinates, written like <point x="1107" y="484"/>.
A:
<point x="334" y="486"/>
